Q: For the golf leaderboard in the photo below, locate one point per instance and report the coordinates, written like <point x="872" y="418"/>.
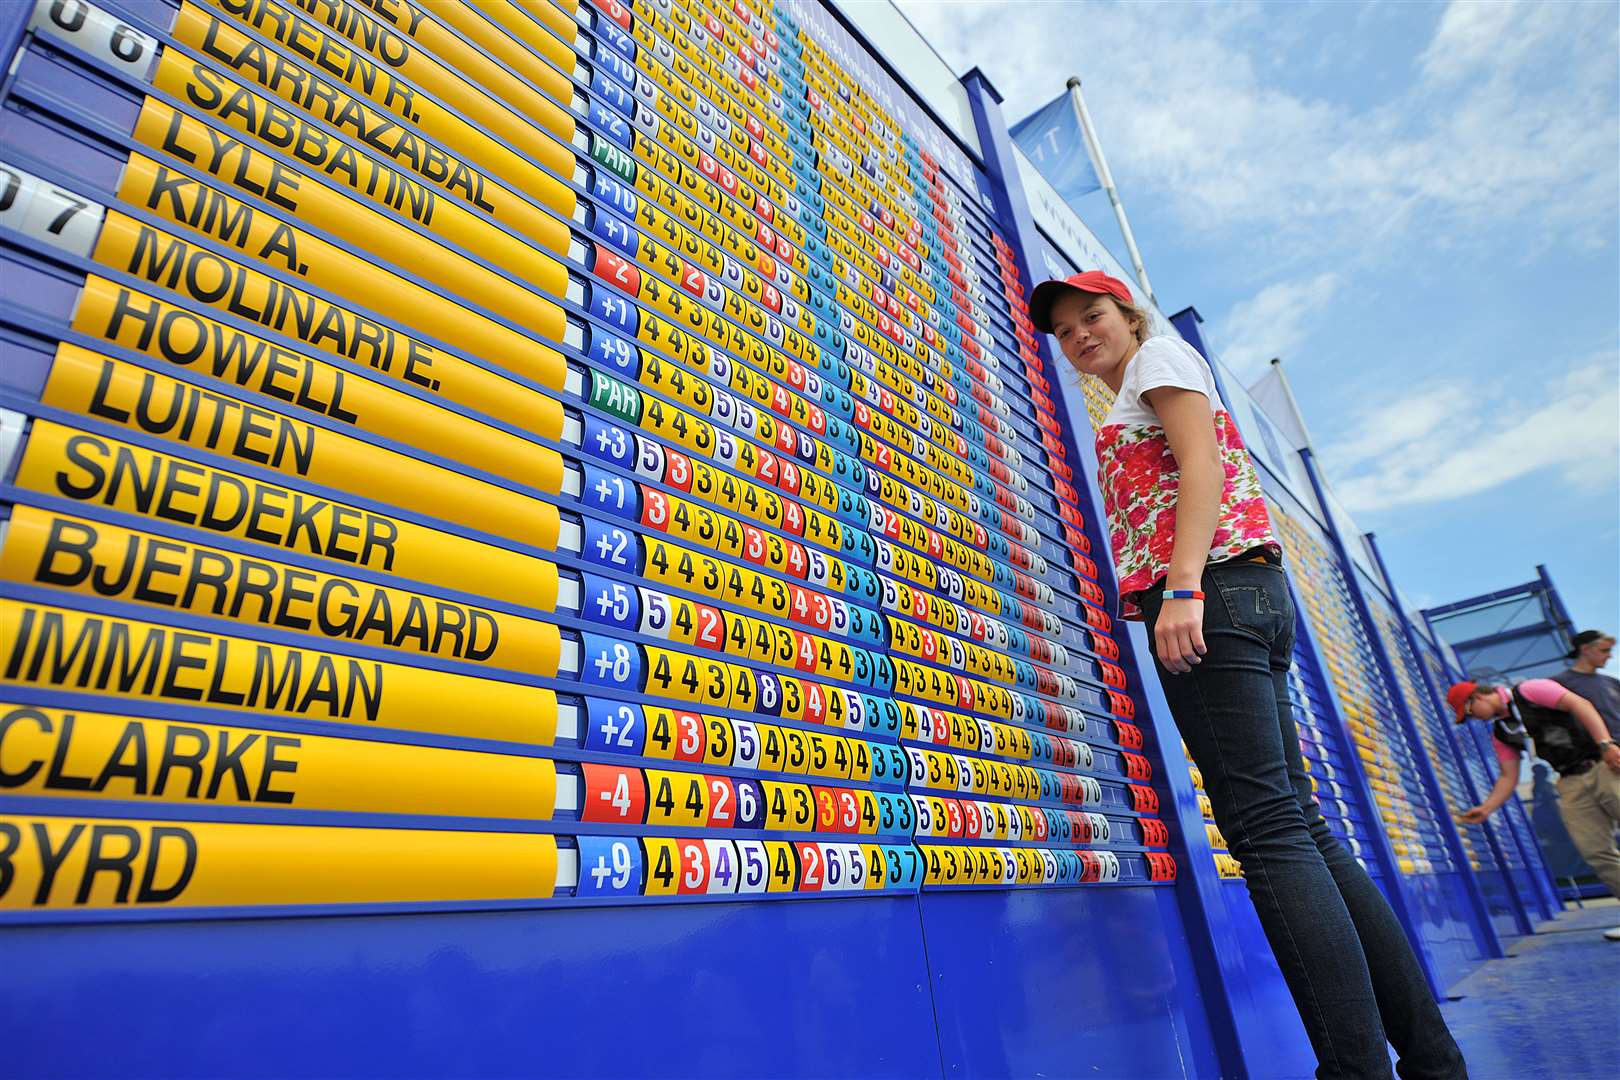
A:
<point x="512" y="455"/>
<point x="539" y="538"/>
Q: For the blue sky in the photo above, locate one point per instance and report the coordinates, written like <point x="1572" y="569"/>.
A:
<point x="1416" y="206"/>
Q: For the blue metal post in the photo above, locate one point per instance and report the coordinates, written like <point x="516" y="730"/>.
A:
<point x="1188" y="324"/>
<point x="1476" y="601"/>
<point x="1557" y="601"/>
<point x="1196" y="886"/>
<point x="1521" y="917"/>
<point x="1483" y="928"/>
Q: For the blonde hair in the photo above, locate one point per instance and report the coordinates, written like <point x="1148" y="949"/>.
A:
<point x="1144" y="325"/>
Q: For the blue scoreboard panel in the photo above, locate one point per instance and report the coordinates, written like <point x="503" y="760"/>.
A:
<point x="697" y="499"/>
<point x="508" y="455"/>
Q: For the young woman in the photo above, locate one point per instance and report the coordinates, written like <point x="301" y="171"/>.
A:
<point x="1196" y="559"/>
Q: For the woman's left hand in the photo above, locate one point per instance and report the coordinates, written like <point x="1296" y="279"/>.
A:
<point x="1178" y="636"/>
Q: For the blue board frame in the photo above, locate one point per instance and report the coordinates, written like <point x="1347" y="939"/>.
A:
<point x="812" y="988"/>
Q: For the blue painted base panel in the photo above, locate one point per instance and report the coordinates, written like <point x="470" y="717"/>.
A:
<point x="1584" y="890"/>
<point x="1496" y="888"/>
<point x="1264" y="1010"/>
<point x="1549" y="1010"/>
<point x="1444" y="925"/>
<point x="1058" y="983"/>
<point x="1080" y="982"/>
<point x="809" y="988"/>
<point x="1066" y="983"/>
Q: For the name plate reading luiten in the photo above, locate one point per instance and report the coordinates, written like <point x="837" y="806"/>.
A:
<point x="143" y="400"/>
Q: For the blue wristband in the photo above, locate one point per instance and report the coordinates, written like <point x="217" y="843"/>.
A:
<point x="1183" y="594"/>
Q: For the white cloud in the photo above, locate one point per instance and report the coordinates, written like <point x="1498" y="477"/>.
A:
<point x="1276" y="322"/>
<point x="1443" y="440"/>
<point x="1508" y="115"/>
<point x="1474" y="36"/>
<point x="1425" y="412"/>
<point x="1405" y="147"/>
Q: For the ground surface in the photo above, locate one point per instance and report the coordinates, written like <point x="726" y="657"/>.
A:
<point x="1551" y="1009"/>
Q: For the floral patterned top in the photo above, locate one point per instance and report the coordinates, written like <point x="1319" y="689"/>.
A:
<point x="1139" y="477"/>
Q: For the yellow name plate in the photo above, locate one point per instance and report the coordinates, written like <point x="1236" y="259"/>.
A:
<point x="93" y="863"/>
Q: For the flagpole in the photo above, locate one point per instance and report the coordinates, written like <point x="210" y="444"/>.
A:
<point x="1107" y="178"/>
<point x="1288" y="392"/>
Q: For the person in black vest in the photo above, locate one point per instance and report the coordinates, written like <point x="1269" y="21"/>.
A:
<point x="1572" y="738"/>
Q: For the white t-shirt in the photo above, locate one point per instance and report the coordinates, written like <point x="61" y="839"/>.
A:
<point x="1159" y="362"/>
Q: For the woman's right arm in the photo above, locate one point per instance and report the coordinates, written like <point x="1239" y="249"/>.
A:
<point x="1189" y="428"/>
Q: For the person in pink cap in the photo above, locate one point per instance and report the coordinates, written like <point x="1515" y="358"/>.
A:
<point x="1197" y="560"/>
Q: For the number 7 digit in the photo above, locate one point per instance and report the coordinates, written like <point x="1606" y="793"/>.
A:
<point x="74" y="206"/>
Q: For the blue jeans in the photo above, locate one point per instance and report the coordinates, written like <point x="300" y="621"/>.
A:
<point x="1352" y="973"/>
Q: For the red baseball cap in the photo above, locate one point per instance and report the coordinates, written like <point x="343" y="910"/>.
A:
<point x="1457" y="697"/>
<point x="1092" y="281"/>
